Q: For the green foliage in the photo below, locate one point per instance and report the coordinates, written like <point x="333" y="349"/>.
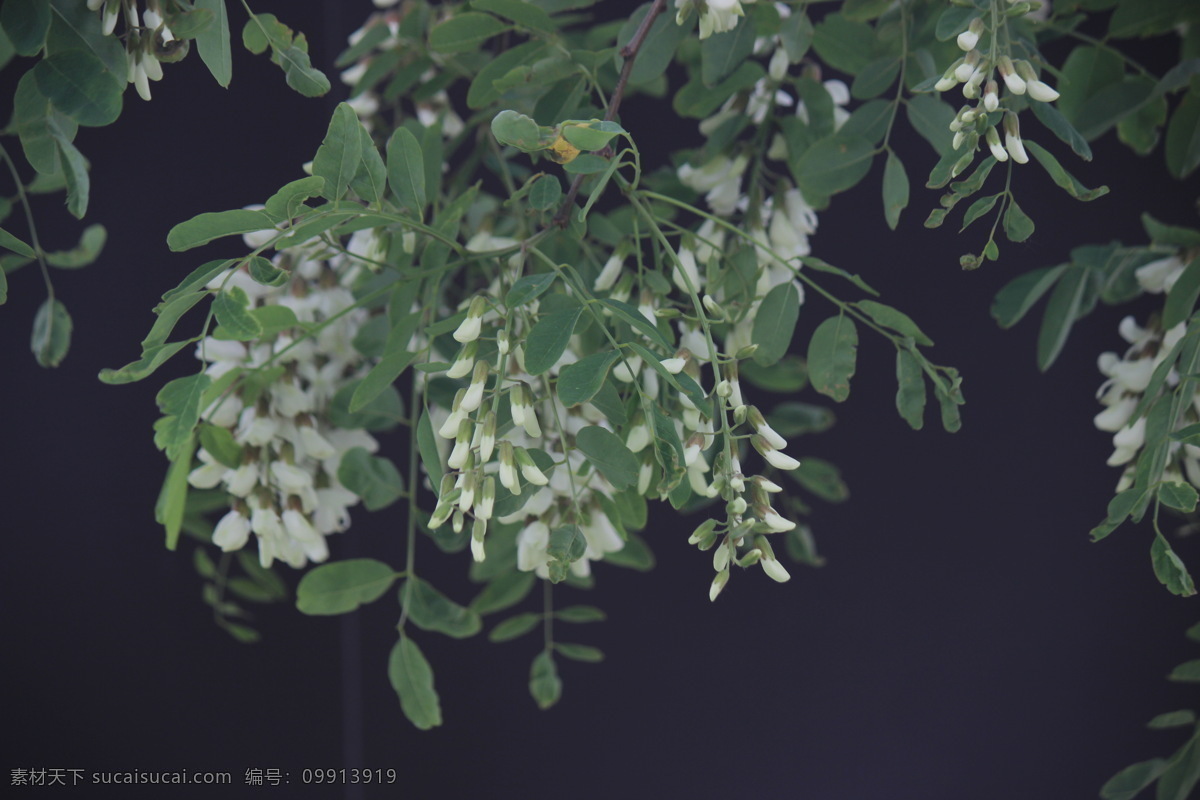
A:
<point x="412" y="678"/>
<point x="343" y="586"/>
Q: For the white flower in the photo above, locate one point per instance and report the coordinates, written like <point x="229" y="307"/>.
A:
<point x="1041" y="91"/>
<point x="532" y="542"/>
<point x="232" y="532"/>
<point x="1159" y="276"/>
<point x="609" y="274"/>
<point x="775" y="571"/>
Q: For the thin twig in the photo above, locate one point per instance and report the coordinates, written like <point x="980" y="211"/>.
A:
<point x="629" y="52"/>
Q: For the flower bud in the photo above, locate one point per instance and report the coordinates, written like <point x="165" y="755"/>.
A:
<point x="721" y="557"/>
<point x="474" y="394"/>
<point x="759" y="422"/>
<point x="529" y="470"/>
<point x="1040" y="91"/>
<point x="674" y="365"/>
<point x="462" y="446"/>
<point x="508" y="468"/>
<point x="736" y="506"/>
<point x="468" y="330"/>
<point x="774" y="457"/>
<point x="478" y="530"/>
<point x="718" y="584"/>
<point x="970" y="37"/>
<point x="645" y="474"/>
<point x="993" y="140"/>
<point x="991" y="95"/>
<point x="609" y="274"/>
<point x="777" y="68"/>
<point x="772" y="519"/>
<point x="1012" y="139"/>
<point x="1014" y="82"/>
<point x="487" y="499"/>
<point x="703" y="534"/>
<point x="464" y="362"/>
<point x="487" y="437"/>
<point x="502" y="343"/>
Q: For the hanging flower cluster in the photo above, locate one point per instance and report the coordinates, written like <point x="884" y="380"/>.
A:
<point x="283" y="486"/>
<point x="149" y="41"/>
<point x="977" y="69"/>
<point x="1129" y="376"/>
<point x="716" y="16"/>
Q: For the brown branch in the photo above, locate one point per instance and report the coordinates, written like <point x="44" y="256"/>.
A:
<point x="629" y="52"/>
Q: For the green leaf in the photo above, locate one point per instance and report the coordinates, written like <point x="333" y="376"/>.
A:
<point x="722" y="53"/>
<point x="528" y="288"/>
<point x="338" y="156"/>
<point x="152" y="358"/>
<point x="19" y="247"/>
<point x="658" y="48"/>
<point x="51" y="333"/>
<point x="406" y="170"/>
<point x="794" y="419"/>
<point x="1017" y="224"/>
<point x="634" y="317"/>
<point x="431" y="610"/>
<point x="522" y="13"/>
<point x="91" y="242"/>
<point x="289" y="200"/>
<point x="833" y="164"/>
<point x="580" y="614"/>
<point x="190" y="24"/>
<point x="1170" y="570"/>
<point x="821" y="478"/>
<point x="1058" y="124"/>
<point x="381" y="376"/>
<point x="1127" y="783"/>
<point x="931" y="118"/>
<point x="1060" y="176"/>
<point x="172" y="499"/>
<point x="179" y="401"/>
<point x="831" y="356"/>
<point x="373" y="478"/>
<point x="548" y="338"/>
<point x="895" y="190"/>
<point x="544" y="683"/>
<point x="590" y="134"/>
<point x="412" y="678"/>
<point x="203" y="228"/>
<point x="1173" y="235"/>
<point x="910" y="391"/>
<point x="232" y="314"/>
<point x="465" y="32"/>
<point x="343" y="586"/>
<point x="775" y="323"/>
<point x="844" y="44"/>
<point x="875" y="78"/>
<point x="220" y="444"/>
<point x="79" y="86"/>
<point x="1187" y="672"/>
<point x="370" y="181"/>
<point x="789" y="374"/>
<point x="796" y="35"/>
<point x="1182" y="772"/>
<point x="1181" y="300"/>
<point x="25" y="23"/>
<point x="1061" y="312"/>
<point x="427" y="447"/>
<point x="513" y="627"/>
<point x="579" y="652"/>
<point x="1019" y="295"/>
<point x="895" y="319"/>
<point x="3" y="287"/>
<point x="1111" y="104"/>
<point x="504" y="591"/>
<point x="607" y="453"/>
<point x="546" y="193"/>
<point x="1178" y="495"/>
<point x="634" y="555"/>
<point x="1172" y="719"/>
<point x="213" y="42"/>
<point x="581" y="381"/>
<point x="980" y="207"/>
<point x="75" y="170"/>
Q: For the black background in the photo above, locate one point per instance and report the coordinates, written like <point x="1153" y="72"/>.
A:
<point x="964" y="640"/>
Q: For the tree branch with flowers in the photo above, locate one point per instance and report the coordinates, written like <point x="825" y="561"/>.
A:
<point x="481" y="255"/>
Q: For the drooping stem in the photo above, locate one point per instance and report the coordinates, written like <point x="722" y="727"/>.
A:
<point x="630" y="53"/>
<point x="33" y="234"/>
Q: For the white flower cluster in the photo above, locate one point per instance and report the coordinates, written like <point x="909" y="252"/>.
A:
<point x="430" y="110"/>
<point x="1129" y="375"/>
<point x="147" y="37"/>
<point x="716" y="16"/>
<point x="285" y="490"/>
<point x="477" y="460"/>
<point x="975" y="70"/>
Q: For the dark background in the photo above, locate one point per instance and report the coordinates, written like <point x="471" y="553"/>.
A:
<point x="964" y="640"/>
